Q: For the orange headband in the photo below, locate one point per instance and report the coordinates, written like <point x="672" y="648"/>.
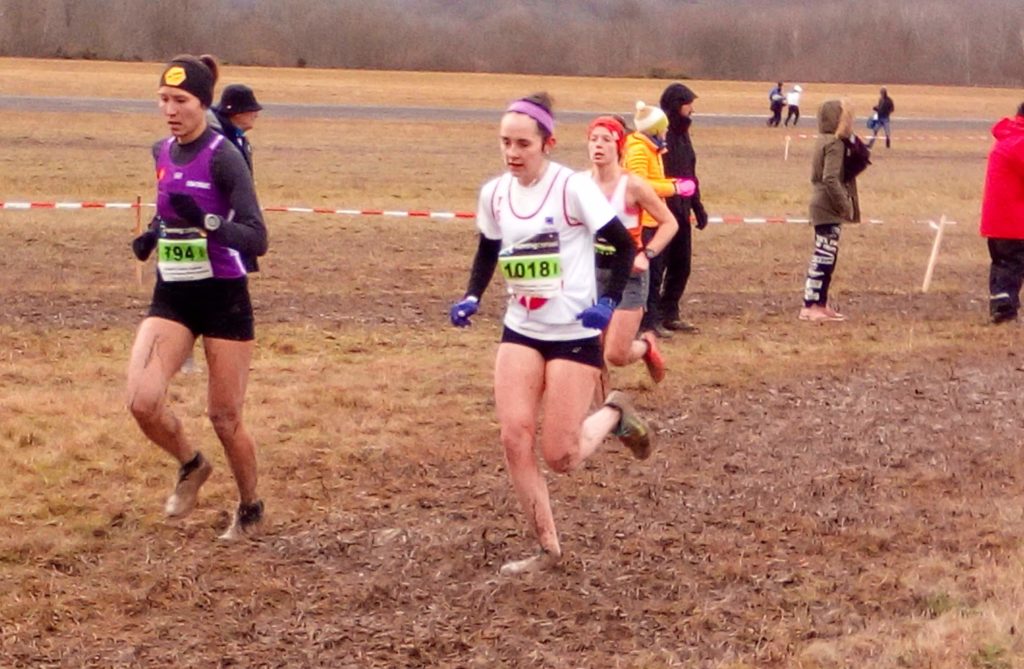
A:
<point x="612" y="125"/>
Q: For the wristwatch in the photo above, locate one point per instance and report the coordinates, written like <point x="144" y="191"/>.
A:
<point x="650" y="253"/>
<point x="211" y="222"/>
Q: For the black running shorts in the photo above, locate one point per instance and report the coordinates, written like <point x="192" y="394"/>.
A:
<point x="584" y="351"/>
<point x="213" y="308"/>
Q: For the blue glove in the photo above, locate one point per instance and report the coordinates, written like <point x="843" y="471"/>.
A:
<point x="599" y="315"/>
<point x="462" y="310"/>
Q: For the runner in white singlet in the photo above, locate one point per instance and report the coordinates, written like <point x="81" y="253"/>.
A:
<point x="628" y="194"/>
<point x="537" y="222"/>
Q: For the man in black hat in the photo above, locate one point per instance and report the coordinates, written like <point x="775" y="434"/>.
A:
<point x="236" y="114"/>
<point x="668" y="280"/>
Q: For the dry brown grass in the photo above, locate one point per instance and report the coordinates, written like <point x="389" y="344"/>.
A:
<point x="823" y="497"/>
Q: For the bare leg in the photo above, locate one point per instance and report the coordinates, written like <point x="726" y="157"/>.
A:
<point x="621" y="347"/>
<point x="568" y="435"/>
<point x="228" y="363"/>
<point x="160" y="348"/>
<point x="518" y="387"/>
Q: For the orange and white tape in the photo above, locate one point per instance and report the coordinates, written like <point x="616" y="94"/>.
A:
<point x="414" y="213"/>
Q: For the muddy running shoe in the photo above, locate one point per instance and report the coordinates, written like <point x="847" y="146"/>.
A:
<point x="245" y="523"/>
<point x="540" y="562"/>
<point x="632" y="431"/>
<point x="652" y="358"/>
<point x="191" y="477"/>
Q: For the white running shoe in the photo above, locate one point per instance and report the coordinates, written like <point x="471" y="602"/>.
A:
<point x="545" y="560"/>
<point x="191" y="476"/>
<point x="245" y="523"/>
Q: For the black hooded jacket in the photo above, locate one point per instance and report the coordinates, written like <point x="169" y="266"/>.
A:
<point x="680" y="159"/>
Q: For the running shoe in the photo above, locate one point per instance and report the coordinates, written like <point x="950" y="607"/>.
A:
<point x="191" y="476"/>
<point x="631" y="430"/>
<point x="679" y="325"/>
<point x="245" y="522"/>
<point x="540" y="562"/>
<point x="652" y="358"/>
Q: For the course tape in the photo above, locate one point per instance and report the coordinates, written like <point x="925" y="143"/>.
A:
<point x="915" y="138"/>
<point x="443" y="215"/>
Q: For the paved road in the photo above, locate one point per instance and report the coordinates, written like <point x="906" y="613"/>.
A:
<point x="292" y="110"/>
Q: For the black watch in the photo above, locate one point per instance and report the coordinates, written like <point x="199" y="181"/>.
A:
<point x="650" y="253"/>
<point x="211" y="222"/>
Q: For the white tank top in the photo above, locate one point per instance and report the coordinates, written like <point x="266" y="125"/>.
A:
<point x="547" y="250"/>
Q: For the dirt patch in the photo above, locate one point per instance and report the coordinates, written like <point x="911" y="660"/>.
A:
<point x="798" y="503"/>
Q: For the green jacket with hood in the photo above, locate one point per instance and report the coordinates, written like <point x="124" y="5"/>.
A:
<point x="834" y="198"/>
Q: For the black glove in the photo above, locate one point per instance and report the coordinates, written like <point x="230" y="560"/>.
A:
<point x="701" y="214"/>
<point x="185" y="207"/>
<point x="144" y="244"/>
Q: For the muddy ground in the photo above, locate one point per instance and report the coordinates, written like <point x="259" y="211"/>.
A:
<point x="806" y="506"/>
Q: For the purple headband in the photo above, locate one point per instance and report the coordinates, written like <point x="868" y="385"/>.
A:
<point x="536" y="112"/>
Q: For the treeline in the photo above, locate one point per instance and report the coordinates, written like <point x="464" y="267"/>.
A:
<point x="926" y="41"/>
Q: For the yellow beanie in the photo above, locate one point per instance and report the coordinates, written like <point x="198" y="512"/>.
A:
<point x="650" y="120"/>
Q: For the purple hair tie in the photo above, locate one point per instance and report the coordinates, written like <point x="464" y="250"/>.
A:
<point x="536" y="112"/>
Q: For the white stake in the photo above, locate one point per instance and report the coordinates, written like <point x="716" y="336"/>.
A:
<point x="935" y="254"/>
<point x="788" y="140"/>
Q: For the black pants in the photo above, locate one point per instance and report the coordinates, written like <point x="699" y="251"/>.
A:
<point x="652" y="315"/>
<point x="823" y="263"/>
<point x="670" y="272"/>
<point x="678" y="257"/>
<point x="1005" y="277"/>
<point x="794" y="114"/>
<point x="776" y="117"/>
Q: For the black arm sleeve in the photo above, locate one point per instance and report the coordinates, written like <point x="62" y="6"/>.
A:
<point x="246" y="232"/>
<point x="622" y="262"/>
<point x="483" y="266"/>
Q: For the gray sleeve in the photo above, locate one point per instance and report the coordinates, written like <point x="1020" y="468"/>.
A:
<point x="246" y="232"/>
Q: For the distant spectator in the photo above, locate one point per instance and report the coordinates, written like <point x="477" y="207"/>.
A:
<point x="838" y="157"/>
<point x="776" y="101"/>
<point x="1002" y="217"/>
<point x="793" y="105"/>
<point x="235" y="115"/>
<point x="642" y="156"/>
<point x="880" y="119"/>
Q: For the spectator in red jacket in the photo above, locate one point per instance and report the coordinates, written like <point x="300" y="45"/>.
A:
<point x="1002" y="217"/>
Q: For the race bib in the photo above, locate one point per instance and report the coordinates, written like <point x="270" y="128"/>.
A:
<point x="184" y="258"/>
<point x="533" y="267"/>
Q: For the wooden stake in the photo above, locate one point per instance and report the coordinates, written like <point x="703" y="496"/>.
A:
<point x="138" y="231"/>
<point x="786" y="154"/>
<point x="934" y="256"/>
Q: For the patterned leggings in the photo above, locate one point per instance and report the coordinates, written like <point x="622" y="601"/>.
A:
<point x="823" y="263"/>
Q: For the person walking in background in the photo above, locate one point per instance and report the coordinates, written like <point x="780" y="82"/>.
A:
<point x="629" y="195"/>
<point x="880" y="120"/>
<point x="207" y="222"/>
<point x="680" y="162"/>
<point x="833" y="201"/>
<point x="776" y="101"/>
<point x="643" y="157"/>
<point x="538" y="221"/>
<point x="1002" y="217"/>
<point x="793" y="105"/>
<point x="235" y="115"/>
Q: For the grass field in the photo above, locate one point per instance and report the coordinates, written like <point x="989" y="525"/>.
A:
<point x="839" y="495"/>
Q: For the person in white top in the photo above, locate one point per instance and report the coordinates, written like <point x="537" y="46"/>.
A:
<point x="538" y="221"/>
<point x="793" y="104"/>
<point x="628" y="194"/>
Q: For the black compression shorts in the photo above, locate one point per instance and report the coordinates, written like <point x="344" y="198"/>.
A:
<point x="213" y="308"/>
<point x="584" y="351"/>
